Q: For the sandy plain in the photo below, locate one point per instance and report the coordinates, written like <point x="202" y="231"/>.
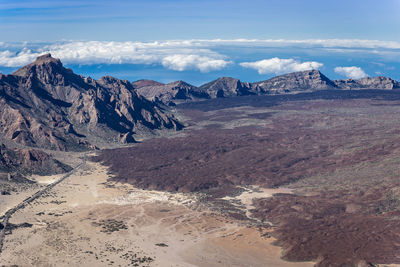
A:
<point x="88" y="221"/>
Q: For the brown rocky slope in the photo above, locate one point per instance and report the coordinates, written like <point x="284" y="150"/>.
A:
<point x="29" y="161"/>
<point x="48" y="106"/>
<point x="175" y="91"/>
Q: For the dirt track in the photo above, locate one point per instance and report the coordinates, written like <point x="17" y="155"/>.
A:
<point x="7" y="215"/>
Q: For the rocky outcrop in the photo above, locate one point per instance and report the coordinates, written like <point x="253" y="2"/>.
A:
<point x="143" y="83"/>
<point x="48" y="106"/>
<point x="369" y="83"/>
<point x="175" y="91"/>
<point x="226" y="87"/>
<point x="294" y="82"/>
<point x="29" y="161"/>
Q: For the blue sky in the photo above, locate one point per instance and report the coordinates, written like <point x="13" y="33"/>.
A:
<point x="256" y="39"/>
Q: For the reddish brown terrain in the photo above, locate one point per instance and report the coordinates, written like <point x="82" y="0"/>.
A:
<point x="340" y="157"/>
<point x="28" y="161"/>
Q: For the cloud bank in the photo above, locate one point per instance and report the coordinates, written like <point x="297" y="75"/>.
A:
<point x="351" y="72"/>
<point x="185" y="62"/>
<point x="181" y="55"/>
<point x="280" y="66"/>
<point x="177" y="56"/>
<point x="324" y="43"/>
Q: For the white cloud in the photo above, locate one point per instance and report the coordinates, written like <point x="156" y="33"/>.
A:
<point x="196" y="54"/>
<point x="351" y="72"/>
<point x="279" y="66"/>
<point x="325" y="43"/>
<point x="186" y="62"/>
<point x="171" y="54"/>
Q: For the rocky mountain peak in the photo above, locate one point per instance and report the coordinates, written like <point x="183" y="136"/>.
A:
<point x="44" y="63"/>
<point x="46" y="105"/>
<point x="296" y="81"/>
<point x="108" y="79"/>
<point x="180" y="83"/>
<point x="143" y="83"/>
<point x="167" y="93"/>
<point x="47" y="58"/>
<point x="225" y="87"/>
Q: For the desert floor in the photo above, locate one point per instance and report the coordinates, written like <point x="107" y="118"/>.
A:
<point x="88" y="221"/>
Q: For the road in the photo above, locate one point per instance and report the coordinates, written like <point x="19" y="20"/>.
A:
<point x="6" y="217"/>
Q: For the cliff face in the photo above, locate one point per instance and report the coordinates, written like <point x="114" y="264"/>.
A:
<point x="369" y="83"/>
<point x="44" y="104"/>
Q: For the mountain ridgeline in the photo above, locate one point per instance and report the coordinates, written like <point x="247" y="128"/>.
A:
<point x="48" y="106"/>
<point x="297" y="82"/>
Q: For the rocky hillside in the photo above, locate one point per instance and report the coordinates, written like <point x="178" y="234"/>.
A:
<point x="29" y="161"/>
<point x="175" y="91"/>
<point x="142" y="83"/>
<point x="294" y="82"/>
<point x="226" y="87"/>
<point x="48" y="106"/>
<point x="369" y="83"/>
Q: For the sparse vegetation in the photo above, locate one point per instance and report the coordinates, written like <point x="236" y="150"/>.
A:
<point x="111" y="225"/>
<point x="161" y="245"/>
<point x="136" y="260"/>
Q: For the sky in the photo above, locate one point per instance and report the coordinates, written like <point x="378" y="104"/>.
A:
<point x="198" y="41"/>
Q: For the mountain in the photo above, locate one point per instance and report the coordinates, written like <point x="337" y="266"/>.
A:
<point x="226" y="87"/>
<point x="46" y="105"/>
<point x="294" y="82"/>
<point x="175" y="91"/>
<point x="142" y="83"/>
<point x="29" y="161"/>
<point x="369" y="83"/>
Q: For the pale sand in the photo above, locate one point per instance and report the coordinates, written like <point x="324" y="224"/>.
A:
<point x="68" y="229"/>
<point x="9" y="201"/>
<point x="253" y="192"/>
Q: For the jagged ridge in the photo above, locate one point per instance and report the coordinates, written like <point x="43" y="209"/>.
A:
<point x="48" y="106"/>
<point x="296" y="82"/>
